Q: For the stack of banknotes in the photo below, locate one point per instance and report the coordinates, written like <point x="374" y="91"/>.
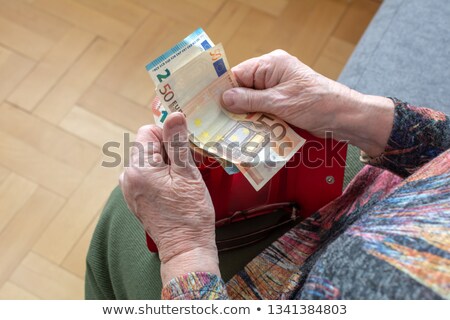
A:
<point x="191" y="78"/>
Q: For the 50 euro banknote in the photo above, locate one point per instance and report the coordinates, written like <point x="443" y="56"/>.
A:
<point x="258" y="144"/>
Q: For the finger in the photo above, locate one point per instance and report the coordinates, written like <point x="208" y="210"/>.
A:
<point x="121" y="179"/>
<point x="155" y="105"/>
<point x="244" y="72"/>
<point x="147" y="148"/>
<point x="176" y="143"/>
<point x="261" y="72"/>
<point x="242" y="100"/>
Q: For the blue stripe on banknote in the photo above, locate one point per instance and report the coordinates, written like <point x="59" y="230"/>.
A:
<point x="179" y="46"/>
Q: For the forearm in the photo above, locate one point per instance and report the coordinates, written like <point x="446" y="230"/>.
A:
<point x="193" y="275"/>
<point x="418" y="136"/>
<point x="196" y="260"/>
<point x="365" y="121"/>
<point x="392" y="134"/>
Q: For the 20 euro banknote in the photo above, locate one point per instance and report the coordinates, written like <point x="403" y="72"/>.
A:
<point x="166" y="64"/>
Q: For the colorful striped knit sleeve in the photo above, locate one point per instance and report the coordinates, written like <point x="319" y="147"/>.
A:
<point x="195" y="286"/>
<point x="418" y="136"/>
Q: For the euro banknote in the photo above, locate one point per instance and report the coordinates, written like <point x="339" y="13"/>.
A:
<point x="166" y="64"/>
<point x="229" y="167"/>
<point x="258" y="144"/>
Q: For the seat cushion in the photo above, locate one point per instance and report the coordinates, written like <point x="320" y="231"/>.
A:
<point x="405" y="53"/>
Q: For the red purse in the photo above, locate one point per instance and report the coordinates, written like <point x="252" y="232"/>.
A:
<point x="310" y="180"/>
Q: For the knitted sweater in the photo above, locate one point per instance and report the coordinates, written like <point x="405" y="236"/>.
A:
<point x="386" y="237"/>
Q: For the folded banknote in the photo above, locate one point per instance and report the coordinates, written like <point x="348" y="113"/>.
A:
<point x="257" y="144"/>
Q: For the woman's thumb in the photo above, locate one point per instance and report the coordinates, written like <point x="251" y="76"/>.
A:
<point x="241" y="100"/>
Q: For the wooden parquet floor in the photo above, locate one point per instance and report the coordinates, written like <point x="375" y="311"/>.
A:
<point x="72" y="77"/>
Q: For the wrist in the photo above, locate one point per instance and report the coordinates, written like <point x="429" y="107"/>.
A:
<point x="364" y="120"/>
<point x="195" y="260"/>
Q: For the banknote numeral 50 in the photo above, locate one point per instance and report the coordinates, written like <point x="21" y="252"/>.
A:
<point x="161" y="77"/>
<point x="167" y="92"/>
<point x="274" y="127"/>
<point x="215" y="54"/>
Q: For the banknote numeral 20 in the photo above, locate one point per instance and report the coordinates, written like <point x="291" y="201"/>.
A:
<point x="167" y="92"/>
<point x="273" y="127"/>
<point x="161" y="77"/>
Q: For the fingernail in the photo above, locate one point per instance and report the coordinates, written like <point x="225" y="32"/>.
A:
<point x="178" y="119"/>
<point x="228" y="97"/>
<point x="174" y="122"/>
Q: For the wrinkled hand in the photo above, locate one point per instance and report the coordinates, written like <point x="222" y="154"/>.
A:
<point x="166" y="192"/>
<point x="280" y="84"/>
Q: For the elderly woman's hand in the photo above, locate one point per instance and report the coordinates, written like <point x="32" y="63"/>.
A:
<point x="166" y="192"/>
<point x="280" y="84"/>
